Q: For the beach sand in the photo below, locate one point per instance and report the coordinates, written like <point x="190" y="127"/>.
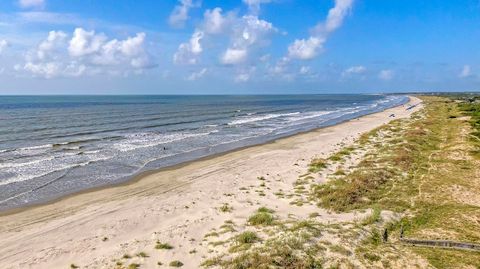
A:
<point x="179" y="205"/>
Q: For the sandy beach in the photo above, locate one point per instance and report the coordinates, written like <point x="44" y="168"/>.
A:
<point x="178" y="205"/>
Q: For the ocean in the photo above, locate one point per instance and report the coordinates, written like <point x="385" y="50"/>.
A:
<point x="51" y="146"/>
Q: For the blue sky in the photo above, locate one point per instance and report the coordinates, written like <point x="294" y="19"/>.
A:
<point x="238" y="47"/>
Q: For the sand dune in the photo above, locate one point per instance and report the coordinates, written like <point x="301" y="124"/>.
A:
<point x="178" y="205"/>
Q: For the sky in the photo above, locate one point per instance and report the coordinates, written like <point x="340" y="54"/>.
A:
<point x="238" y="46"/>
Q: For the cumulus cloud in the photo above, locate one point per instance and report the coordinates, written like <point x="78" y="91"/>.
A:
<point x="31" y="3"/>
<point x="3" y="45"/>
<point x="306" y="49"/>
<point x="304" y="70"/>
<point x="249" y="32"/>
<point x="359" y="69"/>
<point x="179" y="15"/>
<point x="234" y="56"/>
<point x="244" y="75"/>
<point x="85" y="42"/>
<point x="466" y="72"/>
<point x="244" y="33"/>
<point x="214" y="21"/>
<point x="188" y="52"/>
<point x="337" y="14"/>
<point x="254" y="5"/>
<point x="54" y="41"/>
<point x="86" y="51"/>
<point x="197" y="75"/>
<point x="386" y="74"/>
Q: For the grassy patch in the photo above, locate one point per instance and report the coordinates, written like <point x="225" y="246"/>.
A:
<point x="247" y="237"/>
<point x="160" y="245"/>
<point x="225" y="208"/>
<point x="317" y="165"/>
<point x="375" y="217"/>
<point x="263" y="216"/>
<point x="175" y="263"/>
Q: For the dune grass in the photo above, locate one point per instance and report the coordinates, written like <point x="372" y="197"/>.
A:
<point x="317" y="165"/>
<point x="263" y="216"/>
<point x="423" y="170"/>
<point x="418" y="168"/>
<point x="175" y="263"/>
<point x="160" y="245"/>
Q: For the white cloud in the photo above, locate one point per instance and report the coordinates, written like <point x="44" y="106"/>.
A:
<point x="55" y="40"/>
<point x="359" y="69"/>
<point x="3" y="45"/>
<point x="280" y="66"/>
<point x="245" y="33"/>
<point x="197" y="75"/>
<point x="244" y="75"/>
<point x="31" y="3"/>
<point x="85" y="52"/>
<point x="179" y="15"/>
<point x="249" y="32"/>
<point x="254" y="5"/>
<point x="304" y="70"/>
<point x="306" y="49"/>
<point x="466" y="71"/>
<point x="188" y="52"/>
<point x="54" y="69"/>
<point x="265" y="58"/>
<point x="234" y="56"/>
<point x="337" y="14"/>
<point x="214" y="22"/>
<point x="97" y="49"/>
<point x="85" y="43"/>
<point x="386" y="74"/>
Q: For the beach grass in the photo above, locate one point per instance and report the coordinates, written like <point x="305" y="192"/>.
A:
<point x="421" y="171"/>
<point x="416" y="174"/>
<point x="160" y="245"/>
<point x="175" y="263"/>
<point x="263" y="216"/>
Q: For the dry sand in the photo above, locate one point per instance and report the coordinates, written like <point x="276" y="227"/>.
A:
<point x="177" y="205"/>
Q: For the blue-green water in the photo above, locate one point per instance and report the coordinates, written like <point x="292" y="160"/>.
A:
<point x="55" y="145"/>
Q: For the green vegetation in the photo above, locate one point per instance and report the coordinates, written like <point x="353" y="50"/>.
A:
<point x="317" y="165"/>
<point x="421" y="168"/>
<point x="226" y="208"/>
<point x="142" y="255"/>
<point x="247" y="237"/>
<point x="160" y="245"/>
<point x="340" y="155"/>
<point x="374" y="217"/>
<point x="176" y="263"/>
<point x="471" y="108"/>
<point x="263" y="216"/>
<point x="419" y="175"/>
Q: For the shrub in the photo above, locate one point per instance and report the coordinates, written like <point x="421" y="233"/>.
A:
<point x="176" y="263"/>
<point x="317" y="164"/>
<point x="160" y="245"/>
<point x="247" y="237"/>
<point x="263" y="216"/>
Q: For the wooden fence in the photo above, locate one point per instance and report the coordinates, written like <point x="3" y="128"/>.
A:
<point x="442" y="244"/>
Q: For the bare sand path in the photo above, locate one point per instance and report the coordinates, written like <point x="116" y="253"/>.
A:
<point x="180" y="205"/>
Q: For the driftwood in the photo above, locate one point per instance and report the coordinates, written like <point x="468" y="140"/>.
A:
<point x="442" y="244"/>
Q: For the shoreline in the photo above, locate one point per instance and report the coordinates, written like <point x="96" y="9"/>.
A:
<point x="138" y="176"/>
<point x="177" y="205"/>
